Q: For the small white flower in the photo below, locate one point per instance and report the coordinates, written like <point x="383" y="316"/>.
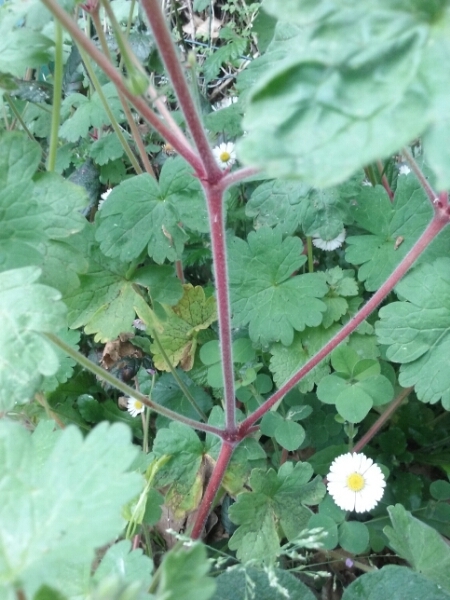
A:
<point x="355" y="482"/>
<point x="225" y="103"/>
<point x="328" y="244"/>
<point x="404" y="170"/>
<point x="104" y="197"/>
<point x="135" y="407"/>
<point x="225" y="155"/>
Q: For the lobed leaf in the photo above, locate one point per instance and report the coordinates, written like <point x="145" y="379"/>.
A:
<point x="59" y="505"/>
<point x="364" y="81"/>
<point x="26" y="308"/>
<point x="275" y="499"/>
<point x="416" y="329"/>
<point x="265" y="293"/>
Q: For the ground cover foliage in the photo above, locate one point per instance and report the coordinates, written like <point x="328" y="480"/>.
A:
<point x="224" y="262"/>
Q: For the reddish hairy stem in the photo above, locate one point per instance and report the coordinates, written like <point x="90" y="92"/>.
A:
<point x="390" y="410"/>
<point x="169" y="55"/>
<point x="213" y="486"/>
<point x="216" y="212"/>
<point x="439" y="221"/>
<point x="180" y="144"/>
<point x="237" y="176"/>
<point x="420" y="176"/>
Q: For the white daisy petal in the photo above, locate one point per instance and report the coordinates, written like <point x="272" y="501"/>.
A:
<point x="225" y="155"/>
<point x="135" y="407"/>
<point x="328" y="244"/>
<point x="104" y="196"/>
<point x="404" y="170"/>
<point x="355" y="482"/>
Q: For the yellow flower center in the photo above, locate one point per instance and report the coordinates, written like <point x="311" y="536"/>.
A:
<point x="225" y="156"/>
<point x="355" y="482"/>
<point x="138" y="405"/>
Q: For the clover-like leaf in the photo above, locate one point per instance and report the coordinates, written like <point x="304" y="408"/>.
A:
<point x="59" y="505"/>
<point x="356" y="387"/>
<point x="276" y="500"/>
<point x="287" y="360"/>
<point x="181" y="326"/>
<point x="417" y="331"/>
<point x="265" y="293"/>
<point x="27" y="308"/>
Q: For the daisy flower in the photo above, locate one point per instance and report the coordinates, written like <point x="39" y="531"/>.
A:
<point x="225" y="155"/>
<point x="104" y="196"/>
<point x="135" y="407"/>
<point x="328" y="244"/>
<point x="355" y="482"/>
<point x="404" y="170"/>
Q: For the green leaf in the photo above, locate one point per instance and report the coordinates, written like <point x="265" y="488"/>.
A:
<point x="420" y="545"/>
<point x="274" y="499"/>
<point x="106" y="302"/>
<point x="66" y="363"/>
<point x="226" y="120"/>
<point x="277" y="204"/>
<point x="329" y="527"/>
<point x="286" y="361"/>
<point x="440" y="489"/>
<point x="129" y="566"/>
<point x="183" y="575"/>
<point x="225" y="54"/>
<point x="167" y="393"/>
<point x="59" y="505"/>
<point x="405" y="220"/>
<point x="89" y="112"/>
<point x="106" y="148"/>
<point x="140" y="213"/>
<point x="61" y="203"/>
<point x="416" y="330"/>
<point x="353" y="537"/>
<point x="356" y="101"/>
<point x="181" y="188"/>
<point x="193" y="313"/>
<point x="164" y="286"/>
<point x="395" y="583"/>
<point x="184" y="447"/>
<point x="264" y="292"/>
<point x="27" y="308"/>
<point x="22" y="48"/>
<point x="356" y="387"/>
<point x="242" y="583"/>
<point x="289" y="435"/>
<point x="34" y="214"/>
<point x="248" y="455"/>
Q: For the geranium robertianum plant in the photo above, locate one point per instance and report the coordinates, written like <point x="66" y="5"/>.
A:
<point x="336" y="91"/>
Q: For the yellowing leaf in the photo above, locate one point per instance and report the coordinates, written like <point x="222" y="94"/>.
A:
<point x="179" y="338"/>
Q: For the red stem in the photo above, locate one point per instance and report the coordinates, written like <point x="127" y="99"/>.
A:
<point x="216" y="212"/>
<point x="420" y="176"/>
<point x="168" y="53"/>
<point x="180" y="145"/>
<point x="382" y="419"/>
<point x="212" y="488"/>
<point x="440" y="220"/>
